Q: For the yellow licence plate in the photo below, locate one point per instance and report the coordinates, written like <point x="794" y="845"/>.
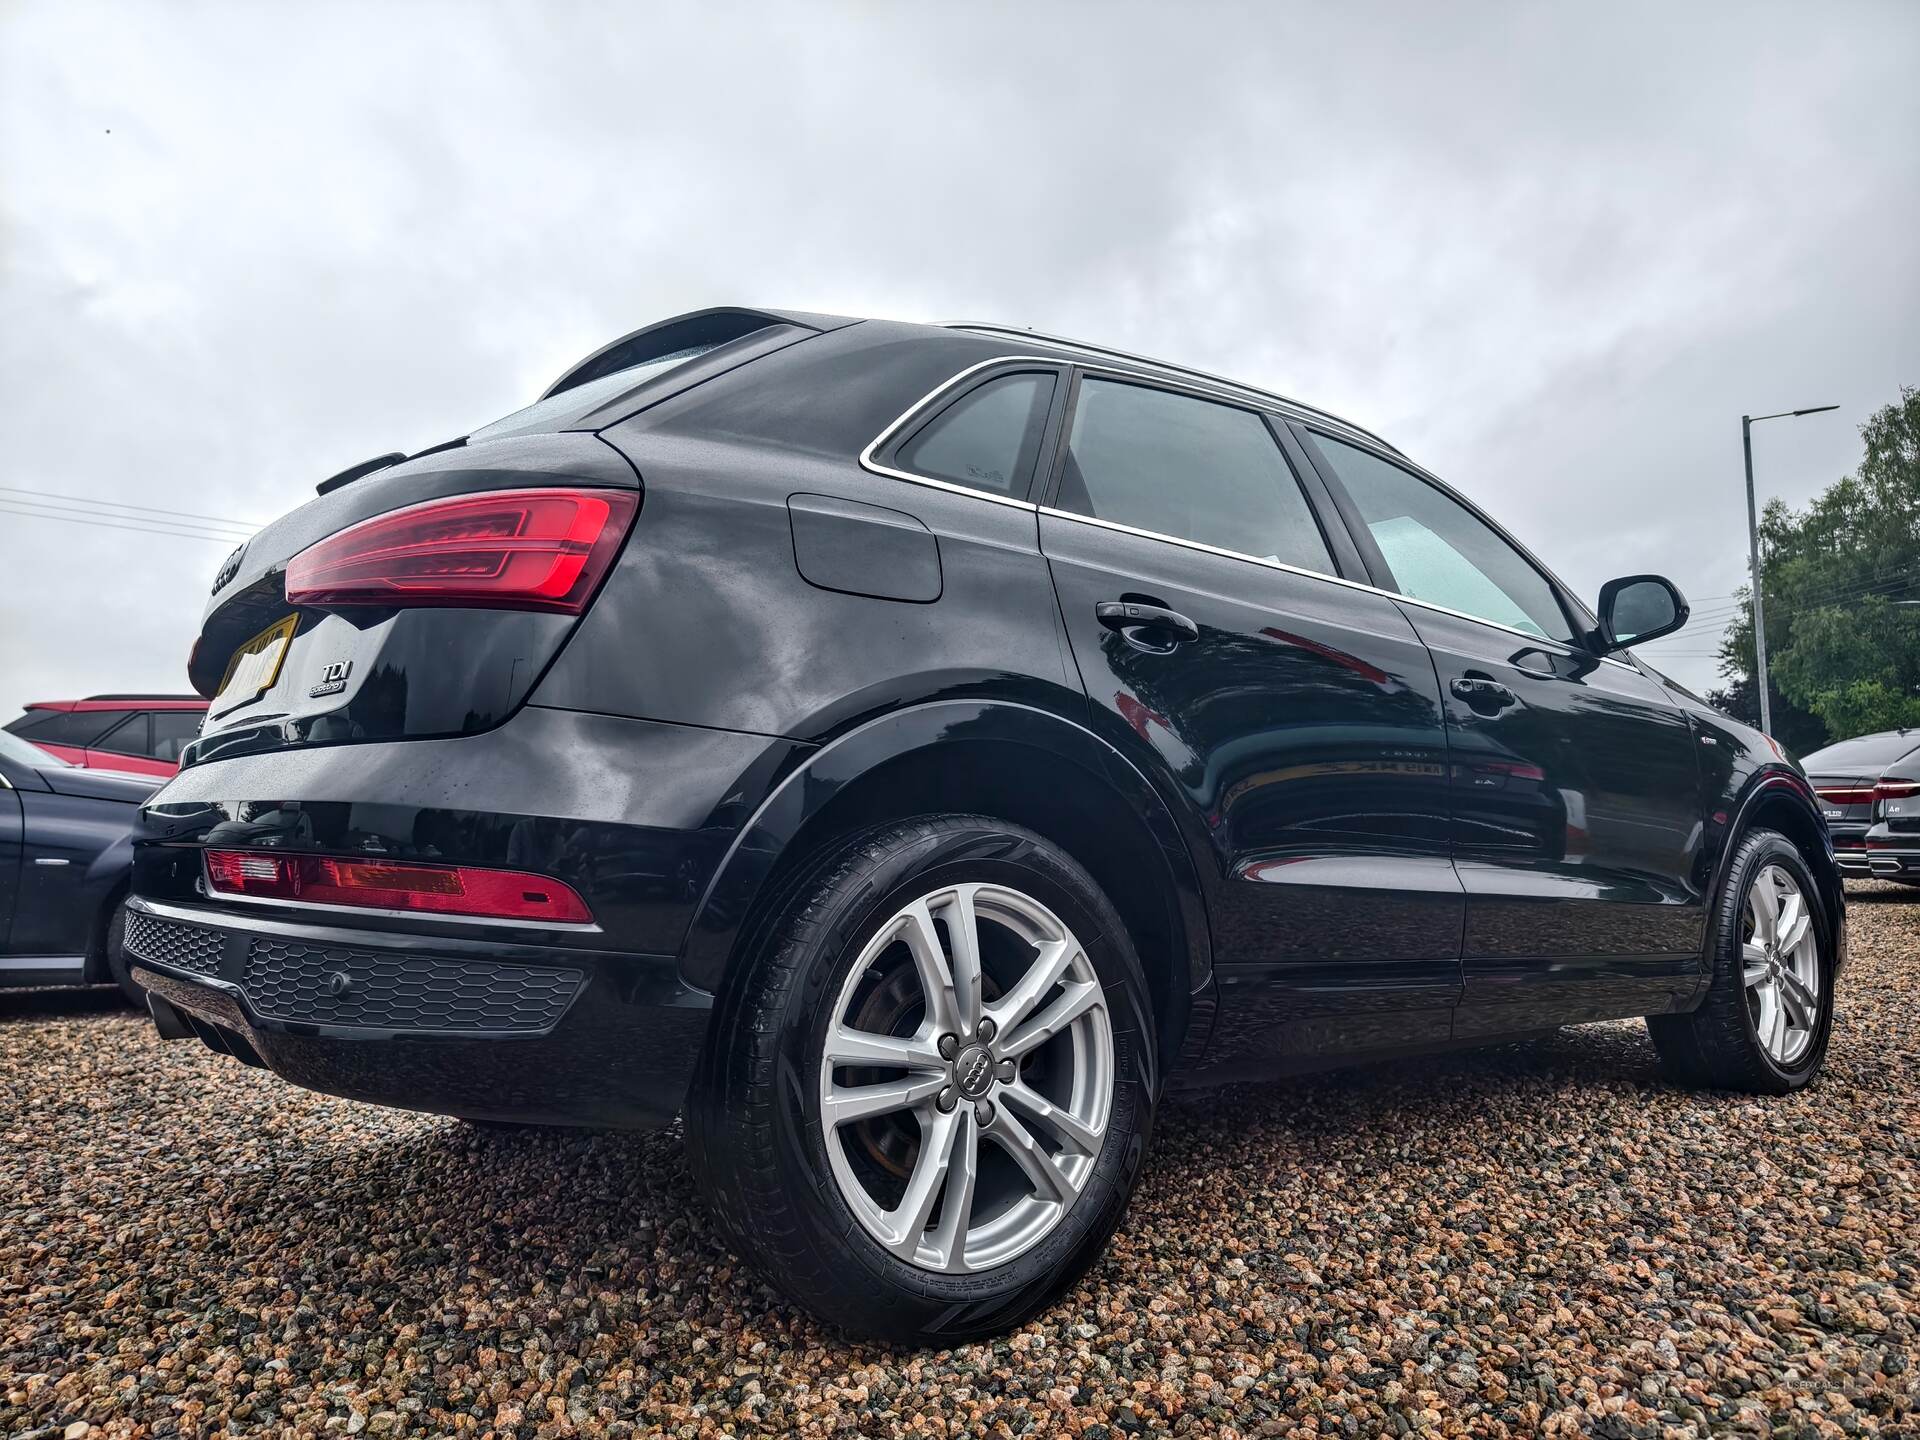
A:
<point x="254" y="666"/>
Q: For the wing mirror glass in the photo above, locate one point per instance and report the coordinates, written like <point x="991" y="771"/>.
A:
<point x="1639" y="608"/>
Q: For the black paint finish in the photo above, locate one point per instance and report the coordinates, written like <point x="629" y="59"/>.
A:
<point x="66" y="847"/>
<point x="1337" y="822"/>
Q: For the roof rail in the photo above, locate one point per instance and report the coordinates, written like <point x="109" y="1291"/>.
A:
<point x="148" y="696"/>
<point x="1061" y="342"/>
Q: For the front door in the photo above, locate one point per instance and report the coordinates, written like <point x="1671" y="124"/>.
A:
<point x="1574" y="781"/>
<point x="1293" y="720"/>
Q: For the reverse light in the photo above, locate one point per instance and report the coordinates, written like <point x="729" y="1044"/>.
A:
<point x="503" y="549"/>
<point x="394" y="885"/>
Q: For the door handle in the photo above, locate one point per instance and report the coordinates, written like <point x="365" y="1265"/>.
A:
<point x="1126" y="615"/>
<point x="1483" y="694"/>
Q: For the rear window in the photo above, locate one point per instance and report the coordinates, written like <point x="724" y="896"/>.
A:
<point x="584" y="396"/>
<point x="1863" y="751"/>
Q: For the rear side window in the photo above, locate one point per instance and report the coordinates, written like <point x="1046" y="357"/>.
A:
<point x="129" y="738"/>
<point x="66" y="727"/>
<point x="173" y="731"/>
<point x="1440" y="551"/>
<point x="1188" y="468"/>
<point x="987" y="439"/>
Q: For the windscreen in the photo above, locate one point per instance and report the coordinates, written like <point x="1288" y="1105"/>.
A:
<point x="13" y="748"/>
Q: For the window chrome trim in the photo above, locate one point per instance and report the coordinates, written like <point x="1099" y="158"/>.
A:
<point x="887" y="436"/>
<point x="1243" y="401"/>
<point x="1561" y="646"/>
<point x="1167" y="369"/>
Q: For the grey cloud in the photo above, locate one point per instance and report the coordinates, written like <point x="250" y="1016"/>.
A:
<point x="1553" y="252"/>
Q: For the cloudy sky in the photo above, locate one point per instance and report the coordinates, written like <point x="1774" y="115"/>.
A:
<point x="1553" y="251"/>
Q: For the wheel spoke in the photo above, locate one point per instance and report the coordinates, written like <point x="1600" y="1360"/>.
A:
<point x="846" y="1046"/>
<point x="963" y="935"/>
<point x="859" y="1102"/>
<point x="1049" y="964"/>
<point x="1777" y="1041"/>
<point x="1075" y="1000"/>
<point x="1754" y="958"/>
<point x="1064" y="1123"/>
<point x="1795" y="920"/>
<point x="922" y="939"/>
<point x="1764" y="902"/>
<point x="956" y="1209"/>
<point x="1798" y="997"/>
<point x="907" y="1221"/>
<point x="1049" y="1181"/>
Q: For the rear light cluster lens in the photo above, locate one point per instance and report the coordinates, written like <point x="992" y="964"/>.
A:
<point x="1896" y="789"/>
<point x="505" y="549"/>
<point x="1861" y="796"/>
<point x="388" y="885"/>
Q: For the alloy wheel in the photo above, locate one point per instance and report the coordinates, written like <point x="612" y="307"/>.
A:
<point x="1780" y="958"/>
<point x="996" y="1083"/>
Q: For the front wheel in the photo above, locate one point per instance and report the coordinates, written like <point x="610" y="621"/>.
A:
<point x="927" y="1097"/>
<point x="1765" y="1023"/>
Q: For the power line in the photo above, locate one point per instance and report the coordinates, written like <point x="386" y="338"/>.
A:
<point x="211" y="538"/>
<point x="48" y="497"/>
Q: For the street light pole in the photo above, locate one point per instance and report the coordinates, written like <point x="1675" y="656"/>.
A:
<point x="1753" y="559"/>
<point x="1753" y="577"/>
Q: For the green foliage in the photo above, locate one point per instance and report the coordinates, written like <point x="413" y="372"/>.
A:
<point x="1844" y="656"/>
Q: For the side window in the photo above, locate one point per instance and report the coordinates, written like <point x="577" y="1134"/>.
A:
<point x="66" y="727"/>
<point x="988" y="438"/>
<point x="129" y="738"/>
<point x="1440" y="551"/>
<point x="1188" y="468"/>
<point x="173" y="731"/>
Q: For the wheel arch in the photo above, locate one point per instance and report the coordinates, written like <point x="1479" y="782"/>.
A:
<point x="998" y="758"/>
<point x="1782" y="800"/>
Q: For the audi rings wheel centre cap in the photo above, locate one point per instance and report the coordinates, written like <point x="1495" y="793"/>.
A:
<point x="973" y="1071"/>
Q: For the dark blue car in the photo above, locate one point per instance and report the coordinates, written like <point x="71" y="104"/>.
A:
<point x="65" y="853"/>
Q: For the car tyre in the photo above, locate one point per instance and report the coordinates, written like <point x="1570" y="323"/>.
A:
<point x="115" y="946"/>
<point x="1768" y="1014"/>
<point x="1022" y="1205"/>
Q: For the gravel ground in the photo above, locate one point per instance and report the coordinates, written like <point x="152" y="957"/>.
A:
<point x="1541" y="1239"/>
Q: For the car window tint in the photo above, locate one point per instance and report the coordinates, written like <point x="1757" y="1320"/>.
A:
<point x="1440" y="551"/>
<point x="127" y="738"/>
<point x="987" y="439"/>
<point x="66" y="727"/>
<point x="173" y="731"/>
<point x="1188" y="468"/>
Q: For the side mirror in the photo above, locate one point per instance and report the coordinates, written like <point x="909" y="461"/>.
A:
<point x="1638" y="608"/>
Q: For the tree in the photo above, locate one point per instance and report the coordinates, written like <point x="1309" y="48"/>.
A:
<point x="1843" y="652"/>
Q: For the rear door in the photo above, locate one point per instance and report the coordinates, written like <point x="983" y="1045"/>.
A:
<point x="1575" y="787"/>
<point x="1292" y="719"/>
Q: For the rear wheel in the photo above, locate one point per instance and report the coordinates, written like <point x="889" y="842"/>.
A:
<point x="1769" y="1011"/>
<point x="927" y="1097"/>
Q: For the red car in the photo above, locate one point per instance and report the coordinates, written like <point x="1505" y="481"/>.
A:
<point x="138" y="734"/>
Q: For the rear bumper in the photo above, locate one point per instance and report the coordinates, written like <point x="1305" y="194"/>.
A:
<point x="488" y="1030"/>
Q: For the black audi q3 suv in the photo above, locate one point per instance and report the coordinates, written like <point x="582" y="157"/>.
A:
<point x="905" y="752"/>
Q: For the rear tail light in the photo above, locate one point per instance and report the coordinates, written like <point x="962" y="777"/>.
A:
<point x="504" y="549"/>
<point x="1896" y="789"/>
<point x="1862" y="795"/>
<point x="391" y="885"/>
